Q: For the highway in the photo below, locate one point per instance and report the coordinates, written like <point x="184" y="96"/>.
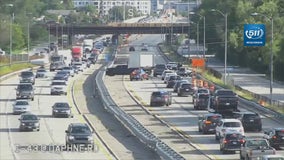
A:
<point x="180" y="116"/>
<point x="16" y="145"/>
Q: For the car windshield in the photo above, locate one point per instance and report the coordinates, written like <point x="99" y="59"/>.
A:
<point x="26" y="74"/>
<point x="160" y="66"/>
<point x="29" y="117"/>
<point x="186" y="85"/>
<point x="157" y="94"/>
<point x="203" y="96"/>
<point x="257" y="143"/>
<point x="251" y="116"/>
<point x="182" y="69"/>
<point x="215" y="118"/>
<point x="232" y="124"/>
<point x="58" y="78"/>
<point x="234" y="136"/>
<point x="61" y="105"/>
<point x="41" y="70"/>
<point x="226" y="92"/>
<point x="202" y="91"/>
<point x="80" y="129"/>
<point x="22" y="103"/>
<point x="62" y="72"/>
<point x="58" y="83"/>
<point x="25" y="87"/>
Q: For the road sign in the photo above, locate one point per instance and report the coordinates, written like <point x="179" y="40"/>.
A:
<point x="197" y="62"/>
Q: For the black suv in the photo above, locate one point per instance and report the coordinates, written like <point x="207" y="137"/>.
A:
<point x="27" y="77"/>
<point x="275" y="136"/>
<point x="185" y="89"/>
<point x="25" y="90"/>
<point x="161" y="98"/>
<point x="131" y="48"/>
<point x="61" y="109"/>
<point x="207" y="123"/>
<point x="250" y="120"/>
<point x="159" y="69"/>
<point x="29" y="121"/>
<point x="231" y="142"/>
<point x="79" y="134"/>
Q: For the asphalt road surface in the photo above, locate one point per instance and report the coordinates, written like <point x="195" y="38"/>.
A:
<point x="180" y="116"/>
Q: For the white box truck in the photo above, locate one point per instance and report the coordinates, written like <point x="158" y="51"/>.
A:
<point x="141" y="60"/>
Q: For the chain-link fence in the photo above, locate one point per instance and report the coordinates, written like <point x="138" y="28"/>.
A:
<point x="13" y="59"/>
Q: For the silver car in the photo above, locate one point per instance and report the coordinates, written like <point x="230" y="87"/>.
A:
<point x="21" y="106"/>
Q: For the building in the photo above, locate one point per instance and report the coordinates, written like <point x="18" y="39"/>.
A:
<point x="103" y="6"/>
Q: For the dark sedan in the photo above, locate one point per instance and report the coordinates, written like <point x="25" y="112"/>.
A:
<point x="61" y="109"/>
<point x="29" y="121"/>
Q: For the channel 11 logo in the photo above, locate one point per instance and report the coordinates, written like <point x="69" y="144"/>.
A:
<point x="254" y="35"/>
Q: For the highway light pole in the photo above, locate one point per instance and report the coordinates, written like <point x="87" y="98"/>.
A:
<point x="271" y="52"/>
<point x="226" y="41"/>
<point x="11" y="34"/>
<point x="193" y="13"/>
<point x="28" y="49"/>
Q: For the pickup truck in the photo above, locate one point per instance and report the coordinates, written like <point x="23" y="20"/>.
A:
<point x="224" y="100"/>
<point x="254" y="148"/>
<point x="119" y="70"/>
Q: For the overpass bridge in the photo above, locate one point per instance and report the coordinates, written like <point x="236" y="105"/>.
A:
<point x="119" y="28"/>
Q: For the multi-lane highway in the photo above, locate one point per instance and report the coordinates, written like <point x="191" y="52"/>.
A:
<point x="112" y="140"/>
<point x="180" y="116"/>
<point x="22" y="145"/>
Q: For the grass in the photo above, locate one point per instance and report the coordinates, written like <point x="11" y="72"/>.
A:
<point x="170" y="52"/>
<point x="15" y="67"/>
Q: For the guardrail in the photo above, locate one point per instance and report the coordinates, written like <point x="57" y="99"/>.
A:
<point x="260" y="98"/>
<point x="130" y="122"/>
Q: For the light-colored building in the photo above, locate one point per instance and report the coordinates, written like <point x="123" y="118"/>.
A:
<point x="103" y="6"/>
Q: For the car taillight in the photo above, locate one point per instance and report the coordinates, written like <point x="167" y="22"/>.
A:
<point x="207" y="122"/>
<point x="274" y="137"/>
<point x="242" y="141"/>
<point x="225" y="141"/>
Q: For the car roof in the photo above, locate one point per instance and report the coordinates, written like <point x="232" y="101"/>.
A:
<point x="212" y="114"/>
<point x="28" y="113"/>
<point x="273" y="156"/>
<point x="21" y="100"/>
<point x="230" y="120"/>
<point x="245" y="112"/>
<point x="59" y="81"/>
<point x="79" y="124"/>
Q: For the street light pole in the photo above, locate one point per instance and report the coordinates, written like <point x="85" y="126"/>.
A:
<point x="271" y="53"/>
<point x="11" y="34"/>
<point x="28" y="49"/>
<point x="203" y="31"/>
<point x="226" y="41"/>
<point x="203" y="36"/>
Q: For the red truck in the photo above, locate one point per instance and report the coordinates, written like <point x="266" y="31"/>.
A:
<point x="77" y="52"/>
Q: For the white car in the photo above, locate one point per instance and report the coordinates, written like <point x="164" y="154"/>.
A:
<point x="228" y="125"/>
<point x="172" y="65"/>
<point x="79" y="65"/>
<point x="21" y="106"/>
<point x="41" y="72"/>
<point x="70" y="70"/>
<point x="167" y="76"/>
<point x="58" y="87"/>
<point x="272" y="157"/>
<point x="165" y="72"/>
